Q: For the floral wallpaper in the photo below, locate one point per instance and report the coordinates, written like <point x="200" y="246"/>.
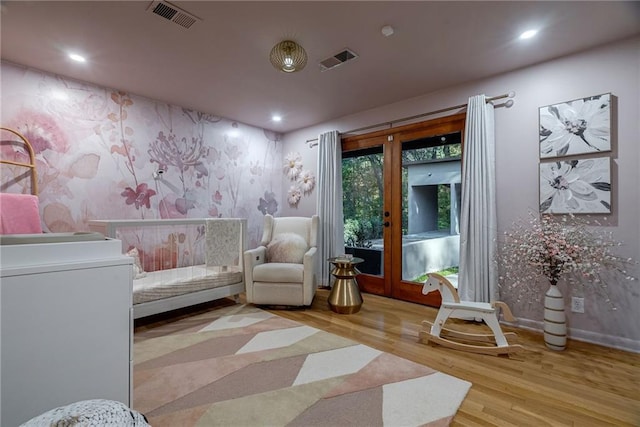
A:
<point x="108" y="154"/>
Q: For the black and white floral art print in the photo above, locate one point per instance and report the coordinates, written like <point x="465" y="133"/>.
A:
<point x="576" y="186"/>
<point x="576" y="127"/>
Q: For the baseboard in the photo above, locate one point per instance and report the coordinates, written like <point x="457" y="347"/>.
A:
<point x="619" y="343"/>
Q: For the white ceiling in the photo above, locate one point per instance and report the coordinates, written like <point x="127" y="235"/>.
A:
<point x="221" y="64"/>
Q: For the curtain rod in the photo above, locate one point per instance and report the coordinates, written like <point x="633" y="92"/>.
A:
<point x="509" y="103"/>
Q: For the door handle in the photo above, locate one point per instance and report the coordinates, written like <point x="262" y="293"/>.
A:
<point x="387" y="223"/>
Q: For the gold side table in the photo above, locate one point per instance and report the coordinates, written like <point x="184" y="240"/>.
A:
<point x="345" y="297"/>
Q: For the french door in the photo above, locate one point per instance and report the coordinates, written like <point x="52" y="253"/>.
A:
<point x="401" y="201"/>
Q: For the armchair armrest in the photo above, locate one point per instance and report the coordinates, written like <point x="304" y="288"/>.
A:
<point x="310" y="284"/>
<point x="310" y="256"/>
<point x="253" y="257"/>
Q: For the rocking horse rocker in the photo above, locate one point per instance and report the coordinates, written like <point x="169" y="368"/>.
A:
<point x="453" y="308"/>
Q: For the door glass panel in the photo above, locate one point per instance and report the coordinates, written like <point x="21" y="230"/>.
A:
<point x="363" y="197"/>
<point x="431" y="176"/>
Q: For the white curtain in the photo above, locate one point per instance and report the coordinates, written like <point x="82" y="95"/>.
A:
<point x="477" y="280"/>
<point x="329" y="202"/>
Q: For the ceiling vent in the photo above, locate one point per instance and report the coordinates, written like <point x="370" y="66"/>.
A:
<point x="338" y="59"/>
<point x="173" y="13"/>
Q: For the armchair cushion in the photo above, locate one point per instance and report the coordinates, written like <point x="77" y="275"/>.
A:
<point x="287" y="248"/>
<point x="278" y="272"/>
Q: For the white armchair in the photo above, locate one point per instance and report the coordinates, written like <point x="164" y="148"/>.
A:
<point x="281" y="271"/>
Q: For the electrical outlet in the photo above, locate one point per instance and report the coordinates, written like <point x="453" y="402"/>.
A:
<point x="577" y="305"/>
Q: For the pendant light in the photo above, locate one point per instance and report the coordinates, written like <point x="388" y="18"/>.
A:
<point x="288" y="56"/>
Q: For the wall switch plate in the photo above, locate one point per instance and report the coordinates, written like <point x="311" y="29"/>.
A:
<point x="577" y="305"/>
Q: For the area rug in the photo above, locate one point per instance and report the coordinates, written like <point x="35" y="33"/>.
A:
<point x="242" y="366"/>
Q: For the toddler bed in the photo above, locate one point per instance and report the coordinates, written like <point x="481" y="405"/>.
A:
<point x="180" y="262"/>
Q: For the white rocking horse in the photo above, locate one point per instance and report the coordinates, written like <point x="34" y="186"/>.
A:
<point x="453" y="308"/>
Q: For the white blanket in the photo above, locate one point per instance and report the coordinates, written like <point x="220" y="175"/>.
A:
<point x="222" y="237"/>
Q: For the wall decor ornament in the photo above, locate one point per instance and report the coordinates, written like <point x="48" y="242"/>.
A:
<point x="293" y="165"/>
<point x="576" y="127"/>
<point x="576" y="186"/>
<point x="294" y="195"/>
<point x="307" y="182"/>
<point x="304" y="181"/>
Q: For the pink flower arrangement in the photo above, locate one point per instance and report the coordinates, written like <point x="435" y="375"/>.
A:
<point x="557" y="247"/>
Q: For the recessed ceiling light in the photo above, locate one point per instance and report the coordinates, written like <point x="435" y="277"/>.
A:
<point x="77" y="58"/>
<point x="58" y="94"/>
<point x="528" y="34"/>
<point x="276" y="118"/>
<point x="234" y="132"/>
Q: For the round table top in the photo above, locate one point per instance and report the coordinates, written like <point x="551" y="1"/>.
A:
<point x="343" y="260"/>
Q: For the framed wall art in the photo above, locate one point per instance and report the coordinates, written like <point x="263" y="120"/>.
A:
<point x="576" y="127"/>
<point x="576" y="186"/>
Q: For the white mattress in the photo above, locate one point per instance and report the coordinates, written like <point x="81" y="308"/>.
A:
<point x="178" y="281"/>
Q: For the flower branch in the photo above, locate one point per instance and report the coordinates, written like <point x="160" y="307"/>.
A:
<point x="555" y="247"/>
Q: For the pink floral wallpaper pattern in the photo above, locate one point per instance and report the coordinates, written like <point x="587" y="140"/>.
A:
<point x="107" y="154"/>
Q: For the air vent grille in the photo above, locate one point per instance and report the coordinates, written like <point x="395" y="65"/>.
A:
<point x="164" y="11"/>
<point x="173" y="13"/>
<point x="338" y="59"/>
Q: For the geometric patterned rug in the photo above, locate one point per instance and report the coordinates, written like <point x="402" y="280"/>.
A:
<point x="242" y="366"/>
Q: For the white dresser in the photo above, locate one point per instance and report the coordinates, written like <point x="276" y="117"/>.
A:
<point x="65" y="318"/>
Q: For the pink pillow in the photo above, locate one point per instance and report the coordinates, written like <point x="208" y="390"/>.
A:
<point x="19" y="214"/>
<point x="138" y="271"/>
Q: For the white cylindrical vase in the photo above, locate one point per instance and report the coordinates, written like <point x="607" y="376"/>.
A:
<point x="555" y="324"/>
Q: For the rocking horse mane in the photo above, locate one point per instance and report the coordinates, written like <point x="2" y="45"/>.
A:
<point x="437" y="282"/>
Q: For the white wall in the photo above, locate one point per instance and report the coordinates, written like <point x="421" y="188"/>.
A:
<point x="613" y="68"/>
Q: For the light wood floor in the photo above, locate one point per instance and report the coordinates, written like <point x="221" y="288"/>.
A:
<point x="585" y="385"/>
